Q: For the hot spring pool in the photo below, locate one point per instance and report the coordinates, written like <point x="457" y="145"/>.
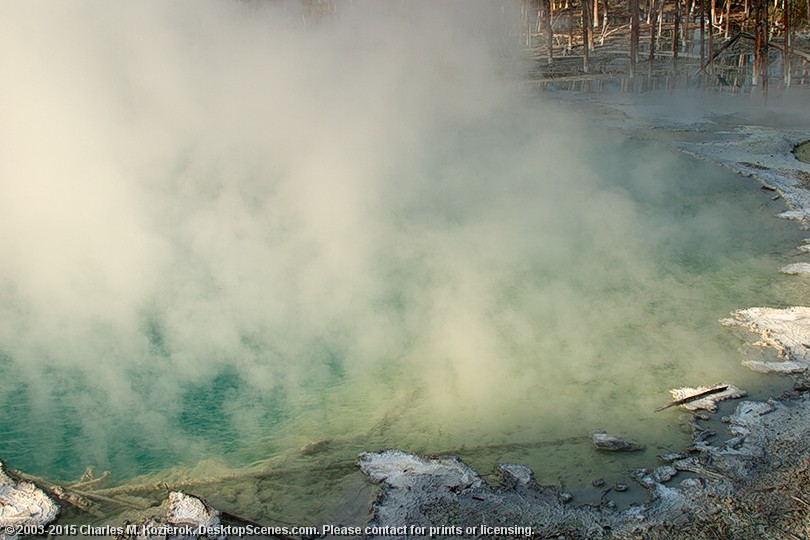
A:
<point x="204" y="274"/>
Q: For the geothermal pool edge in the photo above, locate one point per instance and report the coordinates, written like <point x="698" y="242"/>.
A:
<point x="767" y="446"/>
<point x="442" y="497"/>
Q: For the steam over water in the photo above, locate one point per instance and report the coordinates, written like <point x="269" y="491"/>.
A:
<point x="226" y="233"/>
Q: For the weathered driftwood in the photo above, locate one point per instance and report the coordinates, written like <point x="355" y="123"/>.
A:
<point x="66" y="495"/>
<point x="88" y="479"/>
<point x="689" y="399"/>
<point x="729" y="42"/>
<point x="81" y="499"/>
<point x="148" y="487"/>
<point x="341" y="465"/>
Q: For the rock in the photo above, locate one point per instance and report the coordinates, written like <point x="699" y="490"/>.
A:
<point x="792" y="215"/>
<point x="513" y="474"/>
<point x="659" y="475"/>
<point x="22" y="506"/>
<point x="643" y="477"/>
<point x="672" y="456"/>
<point x="748" y="413"/>
<point x="708" y="403"/>
<point x="598" y="482"/>
<point x="566" y="497"/>
<point x="663" y="473"/>
<point x="785" y="330"/>
<point x="775" y="367"/>
<point x="186" y="518"/>
<point x="796" y="269"/>
<point x="613" y="443"/>
<point x="401" y="470"/>
<point x="187" y="509"/>
<point x="735" y="442"/>
<point x="620" y="487"/>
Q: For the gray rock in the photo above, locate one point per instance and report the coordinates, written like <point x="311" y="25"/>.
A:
<point x="672" y="456"/>
<point x="663" y="473"/>
<point x="186" y="517"/>
<point x="513" y="474"/>
<point x="613" y="443"/>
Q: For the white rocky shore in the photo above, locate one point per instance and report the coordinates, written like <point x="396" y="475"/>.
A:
<point x="785" y="330"/>
<point x="446" y="497"/>
<point x="24" y="508"/>
<point x="27" y="511"/>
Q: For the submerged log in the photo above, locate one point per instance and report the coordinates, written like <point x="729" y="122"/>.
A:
<point x="67" y="495"/>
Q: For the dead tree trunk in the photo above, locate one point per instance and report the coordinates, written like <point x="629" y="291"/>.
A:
<point x="586" y="30"/>
<point x="788" y="42"/>
<point x="746" y="12"/>
<point x="757" y="42"/>
<point x="675" y="40"/>
<point x="653" y="21"/>
<point x="702" y="34"/>
<point x="687" y="38"/>
<point x="766" y="35"/>
<point x="710" y="46"/>
<point x="526" y="14"/>
<point x="660" y="22"/>
<point x="570" y="12"/>
<point x="760" y="75"/>
<point x="634" y="34"/>
<point x="546" y="13"/>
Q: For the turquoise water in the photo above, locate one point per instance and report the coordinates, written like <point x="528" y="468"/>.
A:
<point x="213" y="256"/>
<point x="495" y="317"/>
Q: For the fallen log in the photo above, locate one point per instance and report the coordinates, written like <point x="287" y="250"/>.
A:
<point x="694" y="397"/>
<point x="63" y="494"/>
<point x="793" y="50"/>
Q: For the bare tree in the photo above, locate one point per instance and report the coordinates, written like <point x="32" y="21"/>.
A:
<point x="586" y="31"/>
<point x="675" y="40"/>
<point x="653" y="16"/>
<point x="710" y="40"/>
<point x="634" y="34"/>
<point x="702" y="34"/>
<point x="546" y="15"/>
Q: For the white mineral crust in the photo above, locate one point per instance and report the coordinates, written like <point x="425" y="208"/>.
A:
<point x="786" y="330"/>
<point x="23" y="506"/>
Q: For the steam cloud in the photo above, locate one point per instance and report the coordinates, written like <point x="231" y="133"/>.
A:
<point x="220" y="225"/>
